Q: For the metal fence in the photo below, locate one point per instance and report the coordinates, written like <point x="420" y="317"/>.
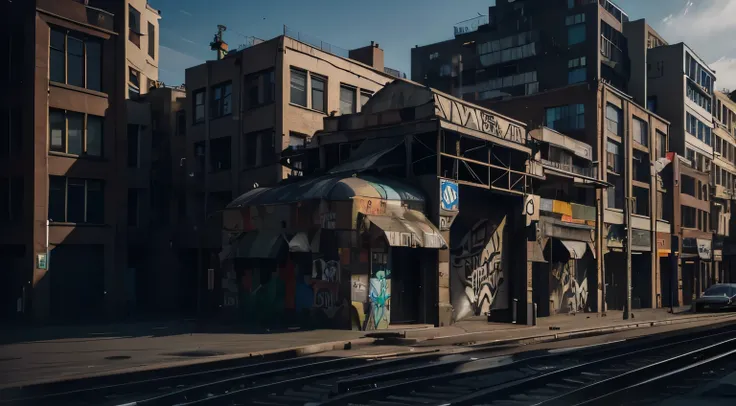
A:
<point x="316" y="42"/>
<point x="249" y="41"/>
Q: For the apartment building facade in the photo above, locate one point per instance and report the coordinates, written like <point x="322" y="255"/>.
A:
<point x="681" y="89"/>
<point x="499" y="55"/>
<point x="65" y="156"/>
<point x="723" y="185"/>
<point x="244" y="109"/>
<point x="626" y="141"/>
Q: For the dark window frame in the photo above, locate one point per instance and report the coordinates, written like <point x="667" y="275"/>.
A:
<point x="292" y="95"/>
<point x="319" y="79"/>
<point x="65" y="114"/>
<point x="263" y="83"/>
<point x="198" y="106"/>
<point x="89" y="185"/>
<point x="222" y="101"/>
<point x="354" y="101"/>
<point x="86" y="41"/>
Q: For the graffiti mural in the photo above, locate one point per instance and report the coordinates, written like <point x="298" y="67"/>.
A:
<point x="568" y="287"/>
<point x="477" y="281"/>
<point x="379" y="293"/>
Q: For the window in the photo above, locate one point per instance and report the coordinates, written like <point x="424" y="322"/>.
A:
<point x="67" y="133"/>
<point x="299" y="87"/>
<point x="134" y="26"/>
<point x="134" y="83"/>
<point x="576" y="75"/>
<point x="57" y="56"/>
<point x="259" y="148"/>
<point x="75" y="59"/>
<point x="297" y="140"/>
<point x="575" y="19"/>
<point x="571" y="117"/>
<point x="615" y="192"/>
<point x="576" y="3"/>
<point x="347" y="100"/>
<point x="261" y="88"/>
<point x="687" y="186"/>
<point x="133" y="145"/>
<point x="614" y="119"/>
<point x="364" y="97"/>
<point x="133" y="202"/>
<point x="181" y="123"/>
<point x="319" y="102"/>
<point x="221" y="100"/>
<point x="220" y="158"/>
<point x="76" y="200"/>
<point x="198" y="106"/>
<point x="94" y="64"/>
<point x="151" y="40"/>
<point x="652" y="104"/>
<point x="613" y="157"/>
<point x="640" y="132"/>
<point x="661" y="145"/>
<point x="689" y="215"/>
<point x="575" y="34"/>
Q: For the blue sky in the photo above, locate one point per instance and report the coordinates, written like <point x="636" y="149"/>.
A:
<point x="187" y="26"/>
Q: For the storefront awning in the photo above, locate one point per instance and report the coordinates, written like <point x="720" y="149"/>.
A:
<point x="409" y="228"/>
<point x="262" y="244"/>
<point x="301" y="242"/>
<point x="576" y="248"/>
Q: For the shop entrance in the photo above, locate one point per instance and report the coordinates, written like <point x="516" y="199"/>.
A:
<point x="406" y="289"/>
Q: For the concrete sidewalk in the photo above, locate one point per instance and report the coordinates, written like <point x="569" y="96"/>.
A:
<point x="164" y="345"/>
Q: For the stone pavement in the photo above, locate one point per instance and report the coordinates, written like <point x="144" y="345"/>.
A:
<point x="49" y="354"/>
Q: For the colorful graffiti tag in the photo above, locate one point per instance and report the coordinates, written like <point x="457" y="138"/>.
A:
<point x="569" y="287"/>
<point x="379" y="293"/>
<point x="477" y="282"/>
<point x="380" y="299"/>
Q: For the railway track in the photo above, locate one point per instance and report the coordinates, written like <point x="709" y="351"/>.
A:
<point x="559" y="377"/>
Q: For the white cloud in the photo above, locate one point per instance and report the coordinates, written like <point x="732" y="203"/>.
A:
<point x="725" y="72"/>
<point x="186" y="13"/>
<point x="708" y="27"/>
<point x="173" y="63"/>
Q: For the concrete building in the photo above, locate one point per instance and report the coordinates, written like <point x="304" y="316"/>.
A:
<point x="681" y="89"/>
<point x="626" y="140"/>
<point x="565" y="270"/>
<point x="156" y="209"/>
<point x="410" y="211"/>
<point x="641" y="37"/>
<point x="62" y="237"/>
<point x="688" y="209"/>
<point x="244" y="109"/>
<point x="723" y="186"/>
<point x="500" y="55"/>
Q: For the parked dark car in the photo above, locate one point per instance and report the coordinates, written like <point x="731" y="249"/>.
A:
<point x="721" y="296"/>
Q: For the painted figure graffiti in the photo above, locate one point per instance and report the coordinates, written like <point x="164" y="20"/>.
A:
<point x="477" y="282"/>
<point x="569" y="292"/>
<point x="380" y="299"/>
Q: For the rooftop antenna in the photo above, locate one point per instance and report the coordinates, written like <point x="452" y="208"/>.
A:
<point x="218" y="45"/>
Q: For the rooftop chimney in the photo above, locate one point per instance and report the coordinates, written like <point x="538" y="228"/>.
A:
<point x="370" y="55"/>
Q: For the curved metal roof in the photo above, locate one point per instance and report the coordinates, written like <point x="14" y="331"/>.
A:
<point x="335" y="188"/>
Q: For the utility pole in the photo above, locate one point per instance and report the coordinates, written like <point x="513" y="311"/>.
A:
<point x="627" y="211"/>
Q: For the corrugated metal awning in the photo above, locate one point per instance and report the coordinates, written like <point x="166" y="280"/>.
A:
<point x="262" y="244"/>
<point x="407" y="229"/>
<point x="576" y="248"/>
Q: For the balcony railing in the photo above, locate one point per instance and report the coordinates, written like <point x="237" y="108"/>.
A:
<point x="470" y="25"/>
<point x="570" y="168"/>
<point x="316" y="42"/>
<point x="610" y="51"/>
<point x="100" y="18"/>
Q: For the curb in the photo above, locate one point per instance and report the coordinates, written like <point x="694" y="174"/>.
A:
<point x="183" y="366"/>
<point x="590" y="332"/>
